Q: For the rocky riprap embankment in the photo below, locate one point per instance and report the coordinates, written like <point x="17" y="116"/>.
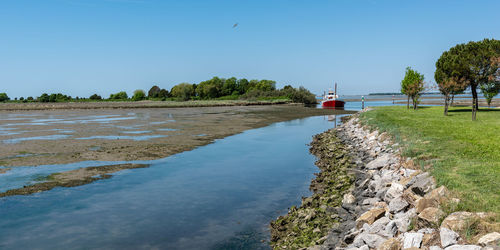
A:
<point x="391" y="204"/>
<point x="310" y="223"/>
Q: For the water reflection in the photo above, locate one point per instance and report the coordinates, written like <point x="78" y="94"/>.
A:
<point x="222" y="195"/>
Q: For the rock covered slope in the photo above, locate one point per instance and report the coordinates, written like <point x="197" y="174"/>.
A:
<point x="391" y="203"/>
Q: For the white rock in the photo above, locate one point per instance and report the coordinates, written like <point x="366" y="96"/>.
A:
<point x="422" y="184"/>
<point x="378" y="226"/>
<point x="394" y="191"/>
<point x="397" y="205"/>
<point x="373" y="240"/>
<point x="489" y="239"/>
<point x="408" y="172"/>
<point x="370" y="201"/>
<point x="412" y="240"/>
<point x="463" y="247"/>
<point x="390" y="229"/>
<point x="380" y="162"/>
<point x="435" y="248"/>
<point x="448" y="237"/>
<point x="348" y="199"/>
<point x="365" y="247"/>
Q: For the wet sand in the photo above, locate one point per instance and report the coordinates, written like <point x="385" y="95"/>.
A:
<point x="30" y="138"/>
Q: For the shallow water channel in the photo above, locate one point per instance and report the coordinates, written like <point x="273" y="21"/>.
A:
<point x="219" y="196"/>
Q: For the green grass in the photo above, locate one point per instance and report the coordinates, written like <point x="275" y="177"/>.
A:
<point x="463" y="155"/>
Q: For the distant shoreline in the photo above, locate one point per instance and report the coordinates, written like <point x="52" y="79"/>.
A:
<point x="133" y="105"/>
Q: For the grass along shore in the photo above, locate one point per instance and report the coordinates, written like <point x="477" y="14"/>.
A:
<point x="138" y="104"/>
<point x="461" y="154"/>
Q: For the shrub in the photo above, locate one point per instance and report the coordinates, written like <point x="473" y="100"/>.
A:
<point x="4" y="97"/>
<point x="95" y="97"/>
<point x="302" y="95"/>
<point x="122" y="95"/>
<point x="163" y="94"/>
<point x="139" y="95"/>
<point x="154" y="92"/>
<point x="183" y="91"/>
<point x="43" y="98"/>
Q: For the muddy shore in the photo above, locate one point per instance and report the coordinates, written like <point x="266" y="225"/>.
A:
<point x="30" y="138"/>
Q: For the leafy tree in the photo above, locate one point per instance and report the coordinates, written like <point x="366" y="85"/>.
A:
<point x="242" y="86"/>
<point x="154" y="92"/>
<point x="450" y="86"/>
<point x="229" y="86"/>
<point x="43" y="98"/>
<point x="210" y="89"/>
<point x="183" y="91"/>
<point x="139" y="95"/>
<point x="474" y="62"/>
<point x="4" y="97"/>
<point x="302" y="95"/>
<point x="412" y="85"/>
<point x="251" y="85"/>
<point x="122" y="95"/>
<point x="490" y="90"/>
<point x="265" y="85"/>
<point x="163" y="93"/>
<point x="95" y="97"/>
<point x="30" y="98"/>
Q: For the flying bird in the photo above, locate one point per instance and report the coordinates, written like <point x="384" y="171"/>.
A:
<point x="234" y="25"/>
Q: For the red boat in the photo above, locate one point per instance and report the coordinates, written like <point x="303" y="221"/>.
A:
<point x="331" y="100"/>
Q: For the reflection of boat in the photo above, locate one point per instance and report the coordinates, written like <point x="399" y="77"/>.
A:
<point x="332" y="117"/>
<point x="331" y="100"/>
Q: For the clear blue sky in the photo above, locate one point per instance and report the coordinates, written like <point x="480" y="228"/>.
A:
<point x="81" y="47"/>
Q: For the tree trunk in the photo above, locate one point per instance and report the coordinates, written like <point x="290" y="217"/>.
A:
<point x="446" y="100"/>
<point x="477" y="103"/>
<point x="408" y="103"/>
<point x="452" y="99"/>
<point x="474" y="101"/>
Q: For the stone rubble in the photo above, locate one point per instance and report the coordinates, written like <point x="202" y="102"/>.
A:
<point x="394" y="204"/>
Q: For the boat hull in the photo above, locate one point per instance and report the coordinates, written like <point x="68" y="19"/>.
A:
<point x="333" y="104"/>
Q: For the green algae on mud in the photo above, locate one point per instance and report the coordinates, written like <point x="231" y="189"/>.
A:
<point x="309" y="224"/>
<point x="73" y="178"/>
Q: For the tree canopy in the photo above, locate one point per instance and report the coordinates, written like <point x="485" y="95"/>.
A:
<point x="183" y="91"/>
<point x="139" y="95"/>
<point x="4" y="97"/>
<point x="473" y="62"/>
<point x="412" y="85"/>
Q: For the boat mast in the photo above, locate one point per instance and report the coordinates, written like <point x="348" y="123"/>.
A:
<point x="335" y="89"/>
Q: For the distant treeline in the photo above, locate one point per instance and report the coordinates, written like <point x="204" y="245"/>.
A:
<point x="215" y="88"/>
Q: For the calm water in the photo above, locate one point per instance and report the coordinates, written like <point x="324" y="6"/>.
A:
<point x="221" y="196"/>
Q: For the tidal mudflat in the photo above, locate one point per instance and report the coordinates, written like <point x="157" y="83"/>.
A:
<point x="30" y="138"/>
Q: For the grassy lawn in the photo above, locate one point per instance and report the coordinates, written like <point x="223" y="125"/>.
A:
<point x="463" y="155"/>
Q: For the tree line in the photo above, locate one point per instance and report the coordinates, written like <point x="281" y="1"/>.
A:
<point x="215" y="88"/>
<point x="466" y="66"/>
